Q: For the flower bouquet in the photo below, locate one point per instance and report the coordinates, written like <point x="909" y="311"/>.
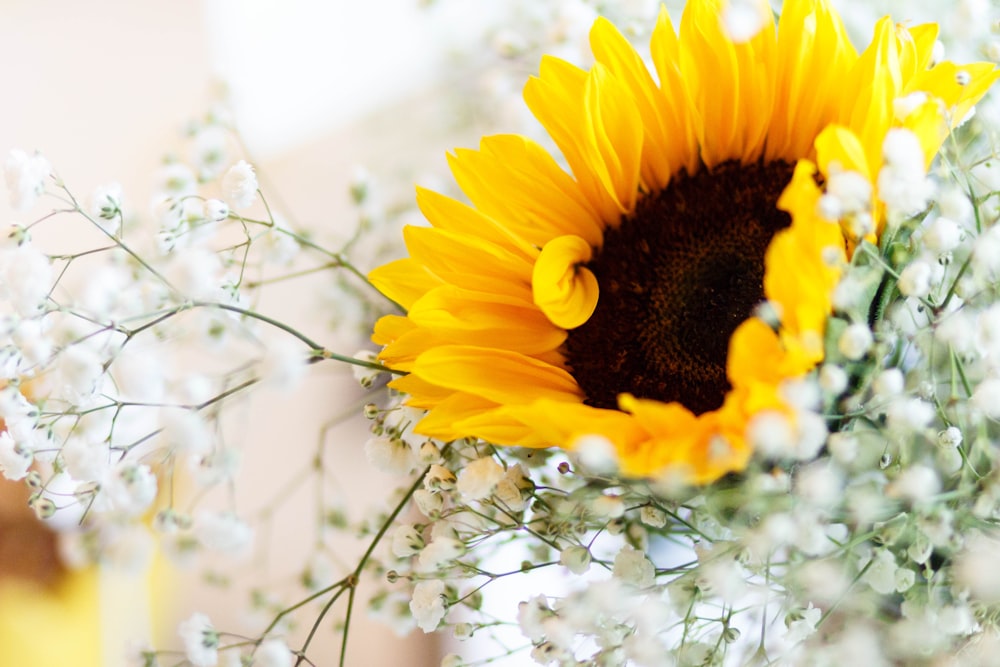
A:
<point x="707" y="375"/>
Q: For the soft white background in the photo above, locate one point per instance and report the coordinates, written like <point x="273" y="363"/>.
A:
<point x="101" y="88"/>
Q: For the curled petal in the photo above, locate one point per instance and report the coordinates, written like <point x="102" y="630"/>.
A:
<point x="565" y="289"/>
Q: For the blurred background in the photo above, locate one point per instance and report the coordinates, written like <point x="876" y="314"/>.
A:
<point x="103" y="89"/>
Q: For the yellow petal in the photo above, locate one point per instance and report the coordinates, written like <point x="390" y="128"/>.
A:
<point x="446" y="213"/>
<point x="838" y="145"/>
<point x="732" y="84"/>
<point x="615" y="53"/>
<point x="815" y="56"/>
<point x="467" y="317"/>
<point x="515" y="181"/>
<point x="465" y="260"/>
<point x="404" y="280"/>
<point x="495" y="375"/>
<point x="561" y="285"/>
<point x="679" y="113"/>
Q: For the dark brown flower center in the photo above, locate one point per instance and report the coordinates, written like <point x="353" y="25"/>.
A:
<point x="676" y="279"/>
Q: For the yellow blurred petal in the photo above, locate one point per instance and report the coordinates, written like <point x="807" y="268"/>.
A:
<point x="60" y="625"/>
<point x="443" y="420"/>
<point x="390" y="327"/>
<point x="565" y="289"/>
<point x="838" y="145"/>
<point x="420" y="393"/>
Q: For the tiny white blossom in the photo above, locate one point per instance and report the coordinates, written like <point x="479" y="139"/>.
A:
<point x="596" y="453"/>
<point x="916" y="279"/>
<point x="25" y="277"/>
<point x="575" y="558"/>
<point x="942" y="235"/>
<point x="804" y="625"/>
<point x="855" y="341"/>
<point x="478" y="478"/>
<point x="742" y="19"/>
<point x="406" y="541"/>
<point x="176" y="180"/>
<point x="85" y="460"/>
<point x="881" y="573"/>
<point x="653" y="516"/>
<point x="223" y="532"/>
<point x="283" y="364"/>
<point x="950" y="437"/>
<point x="888" y="383"/>
<point x="439" y="552"/>
<point x="391" y="455"/>
<point x="530" y="617"/>
<point x="428" y="604"/>
<point x="131" y="489"/>
<point x="239" y="185"/>
<point x="429" y="503"/>
<point x="902" y="181"/>
<point x="106" y="207"/>
<point x="364" y="375"/>
<point x="986" y="398"/>
<point x="200" y="639"/>
<point x="832" y="379"/>
<point x="273" y="653"/>
<point x="14" y="461"/>
<point x="216" y="210"/>
<point x="632" y="567"/>
<point x="25" y="175"/>
<point x="915" y="483"/>
<point x="606" y="506"/>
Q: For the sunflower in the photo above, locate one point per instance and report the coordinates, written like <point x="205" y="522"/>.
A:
<point x="620" y="299"/>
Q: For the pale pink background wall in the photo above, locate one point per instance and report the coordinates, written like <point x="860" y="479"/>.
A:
<point x="101" y="88"/>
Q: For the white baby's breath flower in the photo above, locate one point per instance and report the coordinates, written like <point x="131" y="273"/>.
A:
<point x="223" y="532"/>
<point x="916" y="279"/>
<point x="200" y="639"/>
<point x="25" y="175"/>
<point x="25" y="277"/>
<point x="406" y="541"/>
<point x="283" y="364"/>
<point x="215" y="210"/>
<point x="365" y="375"/>
<point x="106" y="207"/>
<point x="273" y="652"/>
<point x="392" y="455"/>
<point x="428" y="604"/>
<point x="632" y="567"/>
<point x="478" y="478"/>
<point x="14" y="461"/>
<point x="131" y="488"/>
<point x="881" y="573"/>
<point x="742" y="19"/>
<point x="575" y="558"/>
<point x="439" y="552"/>
<point x="855" y="341"/>
<point x="239" y="185"/>
<point x="942" y="235"/>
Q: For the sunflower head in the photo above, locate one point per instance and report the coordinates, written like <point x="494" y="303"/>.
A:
<point x="623" y="299"/>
